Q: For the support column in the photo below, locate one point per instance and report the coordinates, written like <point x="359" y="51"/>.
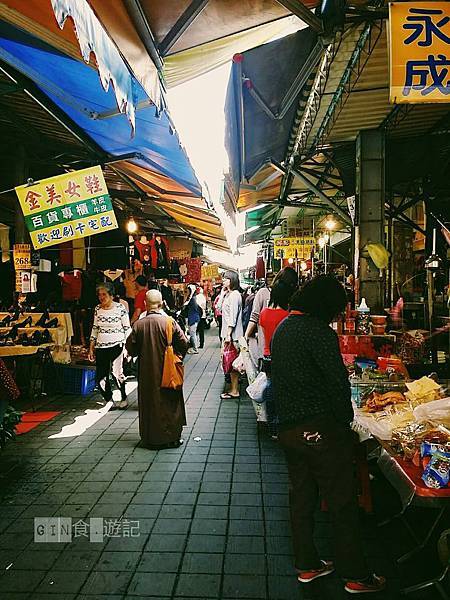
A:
<point x="20" y="177"/>
<point x="370" y="157"/>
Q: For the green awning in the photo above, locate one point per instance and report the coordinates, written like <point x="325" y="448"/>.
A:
<point x="254" y="236"/>
<point x="263" y="216"/>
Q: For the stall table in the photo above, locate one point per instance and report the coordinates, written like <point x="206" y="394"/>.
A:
<point x="406" y="478"/>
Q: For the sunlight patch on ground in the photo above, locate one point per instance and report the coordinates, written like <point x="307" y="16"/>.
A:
<point x="90" y="416"/>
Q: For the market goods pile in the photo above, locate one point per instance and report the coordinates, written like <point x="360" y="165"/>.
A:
<point x="416" y="423"/>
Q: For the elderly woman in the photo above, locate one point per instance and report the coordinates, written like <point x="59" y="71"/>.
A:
<point x="312" y="396"/>
<point x="161" y="410"/>
<point x="109" y="332"/>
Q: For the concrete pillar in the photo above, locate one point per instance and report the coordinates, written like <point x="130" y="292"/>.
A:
<point x="370" y="194"/>
<point x="20" y="177"/>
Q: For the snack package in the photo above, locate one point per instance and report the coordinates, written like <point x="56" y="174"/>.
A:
<point x="422" y="390"/>
<point x="437" y="472"/>
<point x="430" y="448"/>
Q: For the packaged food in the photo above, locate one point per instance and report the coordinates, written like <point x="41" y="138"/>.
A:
<point x="422" y="390"/>
<point x="437" y="472"/>
<point x="429" y="448"/>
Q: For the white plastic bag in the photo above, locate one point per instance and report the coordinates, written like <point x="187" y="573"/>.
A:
<point x="260" y="411"/>
<point x="256" y="389"/>
<point x="239" y="364"/>
<point x="436" y="412"/>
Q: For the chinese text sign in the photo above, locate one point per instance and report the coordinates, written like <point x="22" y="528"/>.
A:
<point x="294" y="247"/>
<point x="419" y="42"/>
<point x="67" y="207"/>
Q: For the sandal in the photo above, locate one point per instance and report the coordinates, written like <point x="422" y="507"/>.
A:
<point x="228" y="396"/>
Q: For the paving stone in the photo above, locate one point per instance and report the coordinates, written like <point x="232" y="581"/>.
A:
<point x="117" y="561"/>
<point x="106" y="582"/>
<point x="26" y="582"/>
<point x="209" y="526"/>
<point x="244" y="586"/>
<point x="60" y="582"/>
<point x="165" y="543"/>
<point x="78" y="560"/>
<point x="246" y="527"/>
<point x="206" y="543"/>
<point x="245" y="564"/>
<point x="157" y="585"/>
<point x="176" y="511"/>
<point x="160" y="562"/>
<point x="211" y="512"/>
<point x="198" y="586"/>
<point x="171" y="525"/>
<point x="245" y="545"/>
<point x="194" y="562"/>
<point x="34" y="561"/>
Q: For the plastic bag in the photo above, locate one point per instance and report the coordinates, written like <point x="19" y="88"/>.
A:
<point x="256" y="389"/>
<point x="436" y="412"/>
<point x="260" y="411"/>
<point x="239" y="363"/>
<point x="229" y="355"/>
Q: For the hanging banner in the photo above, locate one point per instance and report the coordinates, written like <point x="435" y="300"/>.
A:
<point x="210" y="271"/>
<point x="67" y="207"/>
<point x="22" y="257"/>
<point x="419" y="51"/>
<point x="294" y="247"/>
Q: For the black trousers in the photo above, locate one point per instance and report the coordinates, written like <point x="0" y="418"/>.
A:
<point x="104" y="359"/>
<point x="201" y="332"/>
<point x="319" y="456"/>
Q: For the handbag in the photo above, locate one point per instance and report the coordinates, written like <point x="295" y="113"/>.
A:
<point x="173" y="369"/>
<point x="229" y="355"/>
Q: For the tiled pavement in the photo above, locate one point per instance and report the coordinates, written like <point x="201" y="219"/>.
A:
<point x="213" y="514"/>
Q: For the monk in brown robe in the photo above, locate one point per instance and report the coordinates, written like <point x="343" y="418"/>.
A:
<point x="161" y="411"/>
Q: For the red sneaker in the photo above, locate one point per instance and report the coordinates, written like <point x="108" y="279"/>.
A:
<point x="372" y="585"/>
<point x="307" y="576"/>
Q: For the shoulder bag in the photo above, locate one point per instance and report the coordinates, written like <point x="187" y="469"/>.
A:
<point x="173" y="370"/>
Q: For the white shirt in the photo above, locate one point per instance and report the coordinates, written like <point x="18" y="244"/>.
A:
<point x="111" y="326"/>
<point x="201" y="301"/>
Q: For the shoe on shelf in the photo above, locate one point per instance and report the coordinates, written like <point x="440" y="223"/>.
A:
<point x="25" y="323"/>
<point x="42" y="319"/>
<point x="46" y="338"/>
<point x="371" y="585"/>
<point x="6" y="321"/>
<point x="308" y="576"/>
<point x="52" y="323"/>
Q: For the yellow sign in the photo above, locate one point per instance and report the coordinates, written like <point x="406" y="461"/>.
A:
<point x="210" y="271"/>
<point x="22" y="257"/>
<point x="419" y="44"/>
<point x="67" y="207"/>
<point x="294" y="247"/>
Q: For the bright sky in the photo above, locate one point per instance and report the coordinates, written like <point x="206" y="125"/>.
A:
<point x="197" y="109"/>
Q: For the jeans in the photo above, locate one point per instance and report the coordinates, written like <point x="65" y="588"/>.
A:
<point x="107" y="360"/>
<point x="319" y="455"/>
<point x="193" y="335"/>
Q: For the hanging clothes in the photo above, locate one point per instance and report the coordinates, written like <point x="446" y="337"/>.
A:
<point x="143" y="248"/>
<point x="113" y="274"/>
<point x="260" y="268"/>
<point x="71" y="285"/>
<point x="160" y="253"/>
<point x="79" y="254"/>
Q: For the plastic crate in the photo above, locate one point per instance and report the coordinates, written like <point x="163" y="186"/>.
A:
<point x="76" y="380"/>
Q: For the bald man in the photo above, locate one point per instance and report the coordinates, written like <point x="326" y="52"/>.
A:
<point x="161" y="411"/>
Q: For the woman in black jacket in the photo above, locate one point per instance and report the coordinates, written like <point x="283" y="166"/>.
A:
<point x="312" y="398"/>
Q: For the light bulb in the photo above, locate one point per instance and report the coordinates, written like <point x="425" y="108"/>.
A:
<point x="322" y="242"/>
<point x="330" y="224"/>
<point x="131" y="225"/>
<point x="303" y="266"/>
<point x="290" y="261"/>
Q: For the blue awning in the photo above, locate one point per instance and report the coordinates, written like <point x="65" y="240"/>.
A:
<point x="264" y="90"/>
<point x="76" y="89"/>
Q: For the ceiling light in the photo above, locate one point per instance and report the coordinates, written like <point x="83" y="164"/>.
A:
<point x="131" y="225"/>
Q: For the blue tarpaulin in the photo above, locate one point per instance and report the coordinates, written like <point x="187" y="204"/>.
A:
<point x="262" y="102"/>
<point x="76" y="89"/>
